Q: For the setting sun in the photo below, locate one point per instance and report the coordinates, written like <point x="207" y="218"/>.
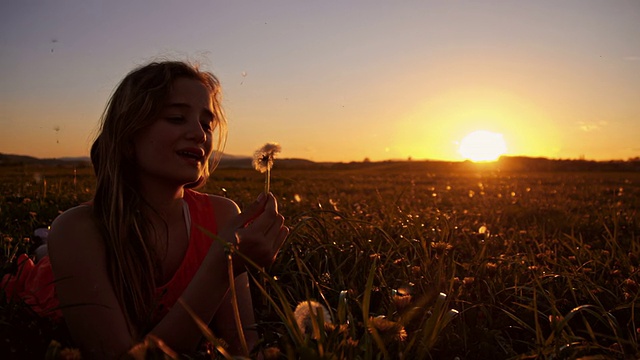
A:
<point x="482" y="145"/>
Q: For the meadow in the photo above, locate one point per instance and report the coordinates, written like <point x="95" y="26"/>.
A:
<point x="409" y="262"/>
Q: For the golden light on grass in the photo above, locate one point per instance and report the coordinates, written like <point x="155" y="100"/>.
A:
<point x="482" y="145"/>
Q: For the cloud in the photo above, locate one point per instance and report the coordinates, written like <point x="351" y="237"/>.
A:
<point x="592" y="126"/>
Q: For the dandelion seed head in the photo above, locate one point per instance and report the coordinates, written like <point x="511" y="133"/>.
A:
<point x="306" y="314"/>
<point x="263" y="157"/>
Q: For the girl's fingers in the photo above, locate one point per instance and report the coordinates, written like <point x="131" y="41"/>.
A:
<point x="274" y="227"/>
<point x="252" y="211"/>
<point x="263" y="234"/>
<point x="282" y="236"/>
<point x="265" y="221"/>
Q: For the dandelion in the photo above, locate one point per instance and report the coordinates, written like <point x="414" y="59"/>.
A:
<point x="387" y="328"/>
<point x="401" y="297"/>
<point x="308" y="314"/>
<point x="263" y="161"/>
<point x="630" y="285"/>
<point x="271" y="353"/>
<point x="70" y="354"/>
<point x="491" y="267"/>
<point x="441" y="246"/>
<point x="401" y="301"/>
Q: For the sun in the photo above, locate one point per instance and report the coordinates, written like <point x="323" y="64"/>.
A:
<point x="482" y="145"/>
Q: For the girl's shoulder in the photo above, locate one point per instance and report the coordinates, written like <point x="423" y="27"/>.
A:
<point x="79" y="216"/>
<point x="75" y="229"/>
<point x="224" y="208"/>
<point x="220" y="205"/>
<point x="224" y="204"/>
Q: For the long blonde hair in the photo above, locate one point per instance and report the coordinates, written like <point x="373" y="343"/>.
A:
<point x="134" y="105"/>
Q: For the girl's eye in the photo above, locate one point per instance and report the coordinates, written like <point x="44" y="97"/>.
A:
<point x="207" y="125"/>
<point x="175" y="119"/>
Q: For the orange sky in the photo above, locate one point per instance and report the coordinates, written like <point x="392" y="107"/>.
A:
<point x="340" y="81"/>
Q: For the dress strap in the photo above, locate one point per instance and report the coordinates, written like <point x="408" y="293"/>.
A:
<point x="187" y="217"/>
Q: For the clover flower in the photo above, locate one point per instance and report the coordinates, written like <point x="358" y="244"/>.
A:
<point x="263" y="161"/>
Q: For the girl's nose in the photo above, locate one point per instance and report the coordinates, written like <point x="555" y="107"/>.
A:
<point x="197" y="133"/>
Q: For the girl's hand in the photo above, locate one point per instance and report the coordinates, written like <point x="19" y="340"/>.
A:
<point x="258" y="232"/>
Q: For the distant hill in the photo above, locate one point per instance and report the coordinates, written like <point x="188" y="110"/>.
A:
<point x="505" y="163"/>
<point x="12" y="159"/>
<point x="522" y="163"/>
<point x="245" y="162"/>
<point x="227" y="161"/>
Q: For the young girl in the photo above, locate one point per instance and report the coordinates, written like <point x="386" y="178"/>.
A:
<point x="121" y="262"/>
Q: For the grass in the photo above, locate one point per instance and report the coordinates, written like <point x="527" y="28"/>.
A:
<point x="409" y="263"/>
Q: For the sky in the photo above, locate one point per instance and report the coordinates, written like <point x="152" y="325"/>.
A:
<point x="339" y="80"/>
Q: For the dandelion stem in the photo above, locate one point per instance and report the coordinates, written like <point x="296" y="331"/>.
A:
<point x="267" y="181"/>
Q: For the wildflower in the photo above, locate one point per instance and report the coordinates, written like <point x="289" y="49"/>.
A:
<point x="402" y="301"/>
<point x="441" y="246"/>
<point x="331" y="327"/>
<point x="401" y="297"/>
<point x="70" y="354"/>
<point x="263" y="161"/>
<point x="491" y="267"/>
<point x="350" y="343"/>
<point x="416" y="270"/>
<point x="307" y="314"/>
<point x="271" y="353"/>
<point x="630" y="285"/>
<point x="388" y="328"/>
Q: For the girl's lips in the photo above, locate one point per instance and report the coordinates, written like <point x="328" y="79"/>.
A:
<point x="192" y="153"/>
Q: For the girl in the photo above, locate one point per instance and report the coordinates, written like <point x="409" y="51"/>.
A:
<point x="121" y="262"/>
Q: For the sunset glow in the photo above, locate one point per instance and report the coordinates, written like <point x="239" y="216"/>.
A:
<point x="482" y="145"/>
<point x="402" y="82"/>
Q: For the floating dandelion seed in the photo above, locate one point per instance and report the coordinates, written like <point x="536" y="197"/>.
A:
<point x="244" y="75"/>
<point x="57" y="130"/>
<point x="263" y="161"/>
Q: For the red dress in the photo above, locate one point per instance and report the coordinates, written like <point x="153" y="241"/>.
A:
<point x="34" y="283"/>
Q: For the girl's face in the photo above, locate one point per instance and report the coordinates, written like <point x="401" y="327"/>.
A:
<point x="176" y="147"/>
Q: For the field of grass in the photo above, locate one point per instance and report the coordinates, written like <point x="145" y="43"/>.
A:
<point x="410" y="263"/>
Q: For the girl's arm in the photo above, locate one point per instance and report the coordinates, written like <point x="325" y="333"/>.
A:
<point x="89" y="304"/>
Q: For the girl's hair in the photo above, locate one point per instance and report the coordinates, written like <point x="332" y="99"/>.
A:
<point x="135" y="104"/>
